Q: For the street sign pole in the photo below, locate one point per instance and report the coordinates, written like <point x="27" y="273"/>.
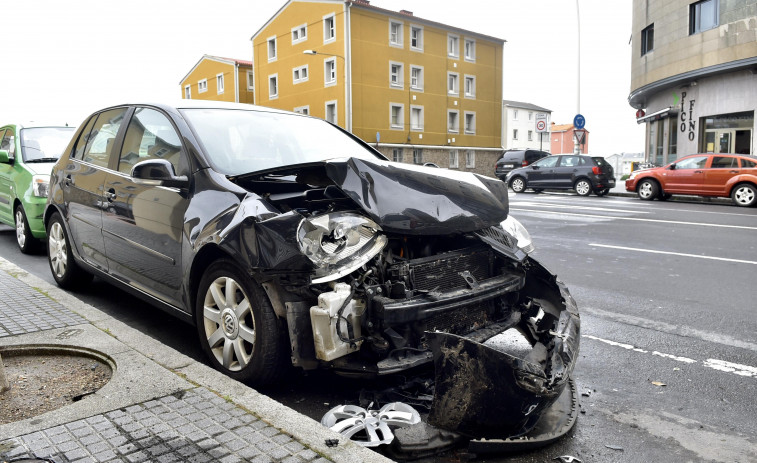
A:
<point x="579" y="122"/>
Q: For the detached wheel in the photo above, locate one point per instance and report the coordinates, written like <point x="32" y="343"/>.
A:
<point x="648" y="190"/>
<point x="66" y="272"/>
<point x="237" y="326"/>
<point x="518" y="184"/>
<point x="744" y="195"/>
<point x="26" y="242"/>
<point x="582" y="187"/>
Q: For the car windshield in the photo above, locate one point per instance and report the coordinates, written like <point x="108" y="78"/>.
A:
<point x="44" y="144"/>
<point x="239" y="142"/>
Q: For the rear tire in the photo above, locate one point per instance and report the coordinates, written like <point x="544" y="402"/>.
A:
<point x="602" y="192"/>
<point x="744" y="195"/>
<point x="66" y="272"/>
<point x="648" y="190"/>
<point x="582" y="187"/>
<point x="237" y="326"/>
<point x="518" y="184"/>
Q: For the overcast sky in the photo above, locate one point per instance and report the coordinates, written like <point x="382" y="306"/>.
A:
<point x="63" y="60"/>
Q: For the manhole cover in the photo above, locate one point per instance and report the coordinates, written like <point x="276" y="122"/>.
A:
<point x="45" y="379"/>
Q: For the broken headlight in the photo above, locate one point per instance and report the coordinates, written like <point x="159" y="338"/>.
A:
<point x="519" y="232"/>
<point x="339" y="243"/>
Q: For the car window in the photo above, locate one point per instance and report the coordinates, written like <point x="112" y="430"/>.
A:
<point x="532" y="156"/>
<point x="697" y="162"/>
<point x="81" y="143"/>
<point x="748" y="163"/>
<point x="150" y="135"/>
<point x="8" y="143"/>
<point x="724" y="162"/>
<point x="44" y="144"/>
<point x="99" y="147"/>
<point x="549" y="161"/>
<point x="569" y="161"/>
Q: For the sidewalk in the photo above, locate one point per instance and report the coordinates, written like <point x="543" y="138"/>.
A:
<point x="159" y="405"/>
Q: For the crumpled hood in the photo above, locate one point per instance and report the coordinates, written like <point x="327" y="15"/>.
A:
<point x="417" y="200"/>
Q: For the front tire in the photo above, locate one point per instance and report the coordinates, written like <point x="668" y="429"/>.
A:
<point x="582" y="187"/>
<point x="237" y="326"/>
<point x="26" y="242"/>
<point x="744" y="195"/>
<point x="648" y="190"/>
<point x="66" y="272"/>
<point x="518" y="184"/>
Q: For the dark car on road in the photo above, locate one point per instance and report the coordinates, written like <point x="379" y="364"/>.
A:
<point x="288" y="241"/>
<point x="584" y="174"/>
<point x="723" y="175"/>
<point x="512" y="159"/>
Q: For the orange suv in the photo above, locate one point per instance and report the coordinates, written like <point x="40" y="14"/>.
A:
<point x="714" y="174"/>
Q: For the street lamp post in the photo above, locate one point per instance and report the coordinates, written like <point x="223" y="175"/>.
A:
<point x="348" y="86"/>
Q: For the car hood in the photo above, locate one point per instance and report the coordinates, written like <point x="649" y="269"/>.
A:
<point x="420" y="200"/>
<point x="39" y="168"/>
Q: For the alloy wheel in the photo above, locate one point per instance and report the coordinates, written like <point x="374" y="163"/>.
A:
<point x="229" y="324"/>
<point x="583" y="188"/>
<point x="58" y="250"/>
<point x="744" y="195"/>
<point x="20" y="228"/>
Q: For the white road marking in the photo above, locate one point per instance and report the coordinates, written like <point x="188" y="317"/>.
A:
<point x="637" y="219"/>
<point x="719" y="365"/>
<point x="578" y="206"/>
<point x="652" y="251"/>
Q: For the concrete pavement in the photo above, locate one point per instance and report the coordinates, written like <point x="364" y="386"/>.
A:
<point x="159" y="404"/>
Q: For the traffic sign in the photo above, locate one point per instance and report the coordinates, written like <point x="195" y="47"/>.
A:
<point x="579" y="121"/>
<point x="541" y="126"/>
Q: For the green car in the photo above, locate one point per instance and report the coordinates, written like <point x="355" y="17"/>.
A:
<point x="27" y="155"/>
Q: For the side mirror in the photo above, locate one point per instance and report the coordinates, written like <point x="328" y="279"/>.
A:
<point x="4" y="157"/>
<point x="534" y="167"/>
<point x="672" y="167"/>
<point x="158" y="172"/>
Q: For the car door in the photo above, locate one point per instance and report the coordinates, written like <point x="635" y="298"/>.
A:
<point x="83" y="179"/>
<point x="7" y="143"/>
<point x="718" y="173"/>
<point x="142" y="224"/>
<point x="541" y="172"/>
<point x="565" y="172"/>
<point x="685" y="176"/>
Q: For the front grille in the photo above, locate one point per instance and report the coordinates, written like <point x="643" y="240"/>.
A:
<point x="443" y="272"/>
<point x="462" y="320"/>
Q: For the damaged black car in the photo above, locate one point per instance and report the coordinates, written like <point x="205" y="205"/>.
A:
<point x="288" y="241"/>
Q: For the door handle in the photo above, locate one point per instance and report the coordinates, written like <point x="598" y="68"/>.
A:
<point x="68" y="181"/>
<point x="110" y="195"/>
<point x="698" y="171"/>
<point x="734" y="172"/>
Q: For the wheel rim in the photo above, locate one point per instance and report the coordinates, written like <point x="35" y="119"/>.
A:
<point x="229" y="324"/>
<point x="744" y="195"/>
<point x="583" y="188"/>
<point x="645" y="190"/>
<point x="517" y="185"/>
<point x="58" y="250"/>
<point x="20" y="228"/>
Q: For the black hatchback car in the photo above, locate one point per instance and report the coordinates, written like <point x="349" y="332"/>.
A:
<point x="584" y="174"/>
<point x="288" y="241"/>
<point x="512" y="159"/>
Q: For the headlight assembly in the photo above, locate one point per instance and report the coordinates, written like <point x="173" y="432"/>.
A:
<point x="339" y="243"/>
<point x="40" y="185"/>
<point x="519" y="232"/>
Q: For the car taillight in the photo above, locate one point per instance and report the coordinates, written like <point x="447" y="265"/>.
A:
<point x="524" y="163"/>
<point x="597" y="170"/>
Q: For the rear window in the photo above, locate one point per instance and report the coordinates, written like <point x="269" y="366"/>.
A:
<point x="513" y="155"/>
<point x="747" y="163"/>
<point x="601" y="162"/>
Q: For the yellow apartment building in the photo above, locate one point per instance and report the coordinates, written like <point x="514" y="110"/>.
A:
<point x="219" y="79"/>
<point x="418" y="90"/>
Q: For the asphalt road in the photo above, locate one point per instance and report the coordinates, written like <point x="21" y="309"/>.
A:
<point x="667" y="293"/>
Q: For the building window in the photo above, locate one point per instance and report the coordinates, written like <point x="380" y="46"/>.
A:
<point x="647" y="39"/>
<point x="530" y="115"/>
<point x="515" y="134"/>
<point x="453" y="121"/>
<point x="397" y="155"/>
<point x="272" y="49"/>
<point x="302" y="110"/>
<point x="453" y="159"/>
<point x="329" y="29"/>
<point x="300" y="74"/>
<point x="202" y="86"/>
<point x="703" y="16"/>
<point x="299" y="33"/>
<point x="453" y="86"/>
<point x="396" y="116"/>
<point x="470" y="50"/>
<point x="416" y="117"/>
<point x="329" y="72"/>
<point x="219" y="83"/>
<point x="470" y="159"/>
<point x="416" y="78"/>
<point x="470" y="86"/>
<point x="250" y="81"/>
<point x="673" y="141"/>
<point x="530" y="135"/>
<point x="188" y="92"/>
<point x="273" y="86"/>
<point x="416" y="38"/>
<point x="417" y="156"/>
<point x="395" y="75"/>
<point x="470" y="123"/>
<point x="331" y="115"/>
<point x="515" y="114"/>
<point x="395" y="33"/>
<point x="453" y="46"/>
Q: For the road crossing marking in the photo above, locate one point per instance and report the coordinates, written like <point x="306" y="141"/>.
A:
<point x="670" y="253"/>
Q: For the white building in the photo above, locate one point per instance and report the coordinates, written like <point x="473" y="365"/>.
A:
<point x="521" y="123"/>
